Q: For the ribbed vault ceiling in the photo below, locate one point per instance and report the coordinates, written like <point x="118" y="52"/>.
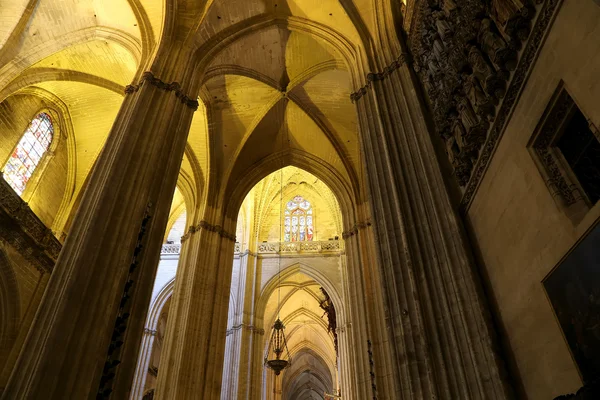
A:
<point x="264" y="90"/>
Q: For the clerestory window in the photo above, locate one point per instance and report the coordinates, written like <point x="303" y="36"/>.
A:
<point x="28" y="153"/>
<point x="298" y="226"/>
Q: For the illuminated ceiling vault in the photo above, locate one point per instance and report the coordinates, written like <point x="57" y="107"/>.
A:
<point x="270" y="84"/>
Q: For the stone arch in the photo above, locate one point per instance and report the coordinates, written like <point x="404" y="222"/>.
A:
<point x="289" y="379"/>
<point x="13" y="69"/>
<point x="33" y="76"/>
<point x="158" y="304"/>
<point x="9" y="307"/>
<point x="309" y="271"/>
<point x="346" y="194"/>
<point x="339" y="42"/>
<point x="150" y="328"/>
<point x="63" y="131"/>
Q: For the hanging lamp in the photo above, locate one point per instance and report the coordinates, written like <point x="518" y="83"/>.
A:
<point x="277" y="344"/>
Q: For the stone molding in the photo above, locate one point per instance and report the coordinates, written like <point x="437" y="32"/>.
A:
<point x="168" y="87"/>
<point x="526" y="63"/>
<point x="150" y="332"/>
<point x="208" y="227"/>
<point x="354" y="230"/>
<point x="250" y="328"/>
<point x="21" y="229"/>
<point x="404" y="58"/>
<point x="247" y="253"/>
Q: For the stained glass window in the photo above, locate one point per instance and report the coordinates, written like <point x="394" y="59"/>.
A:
<point x="29" y="152"/>
<point x="298" y="223"/>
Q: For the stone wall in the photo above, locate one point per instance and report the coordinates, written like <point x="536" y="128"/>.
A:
<point x="520" y="232"/>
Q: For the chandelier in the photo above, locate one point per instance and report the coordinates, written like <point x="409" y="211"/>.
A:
<point x="277" y="344"/>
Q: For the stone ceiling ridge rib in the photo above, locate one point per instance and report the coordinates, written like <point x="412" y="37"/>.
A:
<point x="209" y="50"/>
<point x="12" y="70"/>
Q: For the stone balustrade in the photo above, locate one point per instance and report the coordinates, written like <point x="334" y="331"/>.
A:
<point x="171" y="248"/>
<point x="275" y="247"/>
<point x="300" y="247"/>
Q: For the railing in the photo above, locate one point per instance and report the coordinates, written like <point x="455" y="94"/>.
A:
<point x="300" y="247"/>
<point x="171" y="248"/>
<point x="275" y="247"/>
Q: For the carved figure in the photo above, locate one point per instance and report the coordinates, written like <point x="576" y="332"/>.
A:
<point x="433" y="65"/>
<point x="493" y="85"/>
<point x="461" y="162"/>
<point x="495" y="47"/>
<point x="450" y="6"/>
<point x="458" y="131"/>
<point x="457" y="58"/>
<point x="467" y="115"/>
<point x="452" y="150"/>
<point x="438" y="48"/>
<point x="481" y="103"/>
<point x="505" y="10"/>
<point x="443" y="27"/>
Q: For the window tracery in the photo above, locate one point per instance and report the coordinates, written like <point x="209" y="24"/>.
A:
<point x="298" y="222"/>
<point x="28" y="153"/>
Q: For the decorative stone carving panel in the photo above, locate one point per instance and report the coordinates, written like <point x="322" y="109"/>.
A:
<point x="465" y="54"/>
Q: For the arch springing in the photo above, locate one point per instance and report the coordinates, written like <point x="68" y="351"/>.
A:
<point x="27" y="155"/>
<point x="298" y="222"/>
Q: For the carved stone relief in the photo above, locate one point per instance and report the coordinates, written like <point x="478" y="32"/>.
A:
<point x="465" y="53"/>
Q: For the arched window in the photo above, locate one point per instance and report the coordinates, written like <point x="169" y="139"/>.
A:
<point x="298" y="220"/>
<point x="29" y="152"/>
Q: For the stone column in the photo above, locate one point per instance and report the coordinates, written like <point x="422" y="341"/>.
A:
<point x="248" y="291"/>
<point x="365" y="321"/>
<point x="94" y="308"/>
<point x="141" y="371"/>
<point x="192" y="362"/>
<point x="437" y="314"/>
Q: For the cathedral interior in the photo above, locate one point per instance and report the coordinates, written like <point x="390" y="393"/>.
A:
<point x="299" y="199"/>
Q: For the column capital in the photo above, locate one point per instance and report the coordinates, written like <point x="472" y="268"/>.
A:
<point x="149" y="78"/>
<point x="204" y="225"/>
<point x="404" y="58"/>
<point x="354" y="230"/>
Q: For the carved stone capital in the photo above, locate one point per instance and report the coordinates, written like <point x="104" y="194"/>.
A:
<point x="148" y="77"/>
<point x="210" y="228"/>
<point x="404" y="58"/>
<point x="354" y="230"/>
